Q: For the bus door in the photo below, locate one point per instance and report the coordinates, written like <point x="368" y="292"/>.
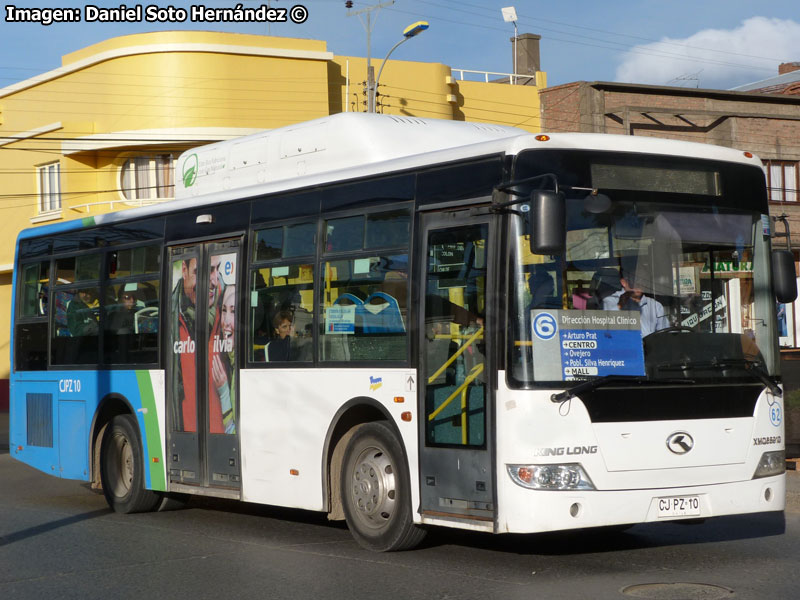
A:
<point x="202" y="369"/>
<point x="456" y="475"/>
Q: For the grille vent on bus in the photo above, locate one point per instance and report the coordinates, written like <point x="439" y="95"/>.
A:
<point x="485" y="127"/>
<point x="40" y="419"/>
<point x="407" y="120"/>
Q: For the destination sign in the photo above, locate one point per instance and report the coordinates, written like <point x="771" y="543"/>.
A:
<point x="569" y="345"/>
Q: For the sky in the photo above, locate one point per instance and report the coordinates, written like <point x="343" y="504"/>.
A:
<point x="688" y="43"/>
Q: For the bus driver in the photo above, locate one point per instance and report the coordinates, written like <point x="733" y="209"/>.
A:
<point x="632" y="297"/>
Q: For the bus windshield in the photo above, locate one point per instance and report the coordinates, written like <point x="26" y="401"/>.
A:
<point x="659" y="286"/>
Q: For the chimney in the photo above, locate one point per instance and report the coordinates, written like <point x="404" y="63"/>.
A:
<point x="788" y="67"/>
<point x="527" y="49"/>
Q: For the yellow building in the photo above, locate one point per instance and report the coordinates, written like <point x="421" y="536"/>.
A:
<point x="101" y="132"/>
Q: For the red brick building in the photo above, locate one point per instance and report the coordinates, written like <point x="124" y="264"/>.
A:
<point x="765" y="124"/>
<point x="787" y="82"/>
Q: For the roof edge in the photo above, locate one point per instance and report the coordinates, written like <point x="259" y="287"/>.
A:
<point x="705" y="92"/>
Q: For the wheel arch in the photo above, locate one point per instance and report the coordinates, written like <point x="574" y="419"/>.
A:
<point x="109" y="407"/>
<point x="351" y="414"/>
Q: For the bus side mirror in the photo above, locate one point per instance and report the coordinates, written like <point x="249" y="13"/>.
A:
<point x="783" y="276"/>
<point x="548" y="222"/>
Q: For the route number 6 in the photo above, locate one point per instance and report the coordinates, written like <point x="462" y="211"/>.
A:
<point x="545" y="326"/>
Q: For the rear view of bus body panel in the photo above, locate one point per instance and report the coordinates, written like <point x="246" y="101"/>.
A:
<point x="52" y="429"/>
<point x="631" y="466"/>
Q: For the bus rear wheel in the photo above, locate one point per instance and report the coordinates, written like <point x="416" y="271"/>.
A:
<point x="376" y="494"/>
<point x="122" y="468"/>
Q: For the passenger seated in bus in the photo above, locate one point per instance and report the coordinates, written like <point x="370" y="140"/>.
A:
<point x="279" y="347"/>
<point x="542" y="288"/>
<point x="82" y="313"/>
<point x="123" y="317"/>
<point x="631" y="296"/>
<point x="580" y="296"/>
<point x="604" y="283"/>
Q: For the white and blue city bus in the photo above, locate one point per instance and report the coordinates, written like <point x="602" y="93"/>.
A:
<point x="407" y="323"/>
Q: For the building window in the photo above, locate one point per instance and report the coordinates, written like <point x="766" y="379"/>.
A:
<point x="149" y="177"/>
<point x="49" y="187"/>
<point x="782" y="180"/>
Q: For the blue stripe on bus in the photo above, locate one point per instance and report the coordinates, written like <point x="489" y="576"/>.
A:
<point x="55" y="228"/>
<point x="76" y="397"/>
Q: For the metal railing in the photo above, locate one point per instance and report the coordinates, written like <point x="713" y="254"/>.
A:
<point x="513" y="78"/>
<point x="128" y="203"/>
<point x="462" y="389"/>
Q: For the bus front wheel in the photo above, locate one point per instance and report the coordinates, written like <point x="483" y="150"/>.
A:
<point x="376" y="494"/>
<point x="122" y="468"/>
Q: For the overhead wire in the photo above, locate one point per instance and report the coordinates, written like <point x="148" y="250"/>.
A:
<point x="607" y="44"/>
<point x="205" y="78"/>
<point x="602" y="31"/>
<point x="504" y="113"/>
<point x="554" y="115"/>
<point x="555" y="120"/>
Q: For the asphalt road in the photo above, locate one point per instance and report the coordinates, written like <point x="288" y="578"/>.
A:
<point x="59" y="540"/>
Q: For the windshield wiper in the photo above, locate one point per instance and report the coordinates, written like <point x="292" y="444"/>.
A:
<point x="593" y="384"/>
<point x="751" y="367"/>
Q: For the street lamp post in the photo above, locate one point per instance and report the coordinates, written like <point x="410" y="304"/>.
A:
<point x="412" y="30"/>
<point x="367" y="12"/>
<point x="510" y="16"/>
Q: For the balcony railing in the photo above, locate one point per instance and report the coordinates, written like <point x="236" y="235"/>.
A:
<point x="492" y="76"/>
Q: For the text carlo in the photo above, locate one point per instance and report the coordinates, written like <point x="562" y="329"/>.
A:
<point x="565" y="451"/>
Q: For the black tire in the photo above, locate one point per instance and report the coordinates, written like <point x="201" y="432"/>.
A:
<point x="376" y="494"/>
<point x="122" y="468"/>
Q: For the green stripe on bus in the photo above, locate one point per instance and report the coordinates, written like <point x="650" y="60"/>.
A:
<point x="154" y="456"/>
<point x="88" y="221"/>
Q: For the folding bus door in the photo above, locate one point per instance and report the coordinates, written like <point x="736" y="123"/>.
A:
<point x="202" y="367"/>
<point x="456" y="450"/>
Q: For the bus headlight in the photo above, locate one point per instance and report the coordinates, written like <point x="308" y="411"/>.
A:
<point x="551" y="477"/>
<point x="771" y="463"/>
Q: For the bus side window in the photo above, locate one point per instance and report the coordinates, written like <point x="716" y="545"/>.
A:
<point x="34" y="300"/>
<point x="282" y="294"/>
<point x="364" y="308"/>
<point x="35" y="286"/>
<point x="281" y="313"/>
<point x="75" y="337"/>
<point x="131" y="323"/>
<point x="365" y="297"/>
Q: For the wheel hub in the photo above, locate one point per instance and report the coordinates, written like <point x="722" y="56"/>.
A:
<point x="125" y="466"/>
<point x="373" y="487"/>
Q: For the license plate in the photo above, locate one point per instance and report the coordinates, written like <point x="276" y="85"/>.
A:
<point x="678" y="506"/>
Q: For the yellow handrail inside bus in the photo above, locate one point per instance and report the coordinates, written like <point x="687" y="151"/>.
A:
<point x="473" y="374"/>
<point x="458" y="353"/>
